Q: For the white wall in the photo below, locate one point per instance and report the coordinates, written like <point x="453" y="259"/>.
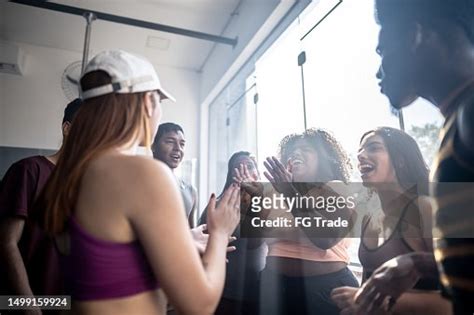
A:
<point x="184" y="85"/>
<point x="245" y="24"/>
<point x="31" y="106"/>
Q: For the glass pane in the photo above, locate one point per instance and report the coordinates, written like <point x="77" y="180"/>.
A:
<point x="232" y="128"/>
<point x="280" y="106"/>
<point x="423" y="122"/>
<point x="217" y="143"/>
<point x="341" y="88"/>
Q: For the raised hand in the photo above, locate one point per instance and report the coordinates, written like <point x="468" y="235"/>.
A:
<point x="248" y="182"/>
<point x="280" y="177"/>
<point x="344" y="297"/>
<point x="224" y="217"/>
<point x="200" y="238"/>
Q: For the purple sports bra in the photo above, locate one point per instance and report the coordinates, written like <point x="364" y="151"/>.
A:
<point x="98" y="269"/>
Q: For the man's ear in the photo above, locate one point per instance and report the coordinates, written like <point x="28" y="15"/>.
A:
<point x="423" y="35"/>
<point x="65" y="128"/>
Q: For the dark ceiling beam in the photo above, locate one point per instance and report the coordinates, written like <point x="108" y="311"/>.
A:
<point x="127" y="21"/>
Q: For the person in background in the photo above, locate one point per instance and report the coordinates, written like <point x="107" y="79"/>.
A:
<point x="168" y="146"/>
<point x="241" y="289"/>
<point x="112" y="210"/>
<point x="427" y="50"/>
<point x="29" y="262"/>
<point x="392" y="166"/>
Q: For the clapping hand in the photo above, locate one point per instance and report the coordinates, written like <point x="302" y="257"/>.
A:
<point x="280" y="177"/>
<point x="387" y="283"/>
<point x="248" y="182"/>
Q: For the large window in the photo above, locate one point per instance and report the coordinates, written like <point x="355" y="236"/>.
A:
<point x="341" y="90"/>
<point x="280" y="107"/>
<point x="232" y="125"/>
<point x="341" y="93"/>
<point x="423" y="122"/>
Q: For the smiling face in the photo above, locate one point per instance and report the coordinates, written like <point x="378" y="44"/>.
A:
<point x="170" y="148"/>
<point x="302" y="161"/>
<point x="375" y="165"/>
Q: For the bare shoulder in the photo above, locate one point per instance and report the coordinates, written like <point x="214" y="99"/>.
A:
<point x="425" y="208"/>
<point x="129" y="182"/>
<point x="425" y="205"/>
<point x="119" y="166"/>
<point x="126" y="179"/>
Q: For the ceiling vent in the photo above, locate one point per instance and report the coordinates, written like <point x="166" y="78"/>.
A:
<point x="12" y="59"/>
<point x="157" y="43"/>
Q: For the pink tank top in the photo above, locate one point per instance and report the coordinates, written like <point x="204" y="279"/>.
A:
<point x="98" y="269"/>
<point x="305" y="250"/>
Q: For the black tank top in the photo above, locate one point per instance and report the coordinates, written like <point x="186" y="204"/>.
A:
<point x="395" y="245"/>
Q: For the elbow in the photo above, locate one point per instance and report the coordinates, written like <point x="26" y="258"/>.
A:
<point x="206" y="307"/>
<point x="7" y="245"/>
<point x="201" y="310"/>
<point x="203" y="305"/>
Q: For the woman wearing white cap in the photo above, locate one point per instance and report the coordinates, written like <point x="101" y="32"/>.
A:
<point x="121" y="215"/>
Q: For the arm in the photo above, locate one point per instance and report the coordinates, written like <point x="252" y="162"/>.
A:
<point x="322" y="237"/>
<point x="326" y="237"/>
<point x="176" y="262"/>
<point x="418" y="234"/>
<point x="16" y="195"/>
<point x="422" y="303"/>
<point x="425" y="264"/>
<point x="396" y="277"/>
<point x="11" y="229"/>
<point x="193" y="214"/>
<point x="426" y="215"/>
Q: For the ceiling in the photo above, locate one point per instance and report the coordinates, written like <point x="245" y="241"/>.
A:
<point x="37" y="26"/>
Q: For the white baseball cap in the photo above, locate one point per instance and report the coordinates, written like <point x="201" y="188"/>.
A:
<point x="130" y="74"/>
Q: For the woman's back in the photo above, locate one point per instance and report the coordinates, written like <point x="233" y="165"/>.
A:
<point x="108" y="192"/>
<point x="109" y="188"/>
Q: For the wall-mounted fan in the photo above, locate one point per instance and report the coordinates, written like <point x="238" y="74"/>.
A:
<point x="70" y="80"/>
